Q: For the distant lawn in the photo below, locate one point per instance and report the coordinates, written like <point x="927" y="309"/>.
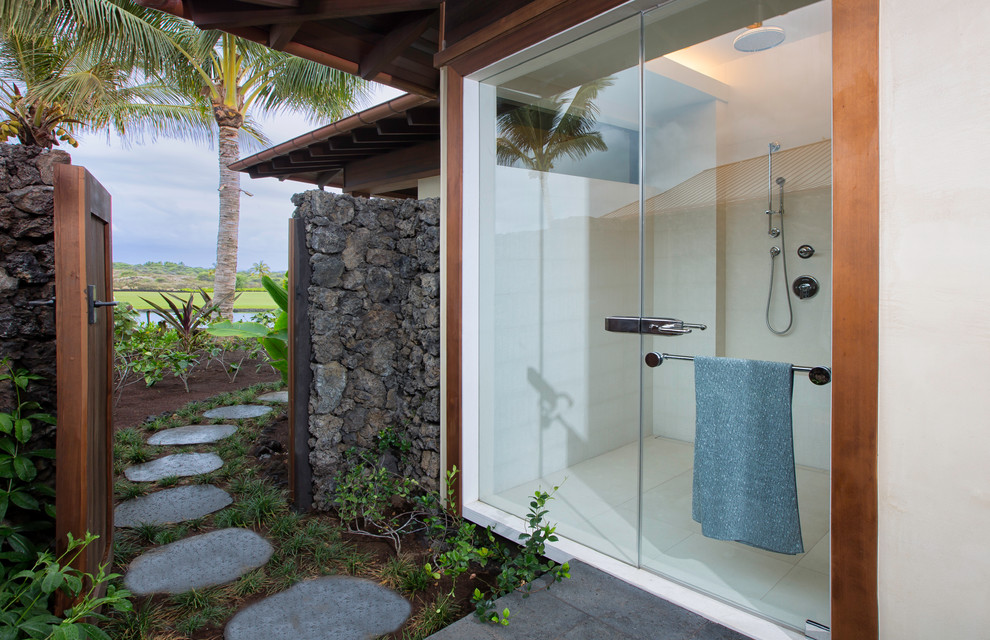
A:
<point x="247" y="299"/>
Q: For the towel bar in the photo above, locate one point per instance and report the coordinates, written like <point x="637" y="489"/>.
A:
<point x="817" y="375"/>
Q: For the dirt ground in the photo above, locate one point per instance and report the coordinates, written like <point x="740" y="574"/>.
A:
<point x="138" y="402"/>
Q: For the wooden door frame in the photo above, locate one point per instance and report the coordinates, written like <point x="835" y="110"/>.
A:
<point x="855" y="305"/>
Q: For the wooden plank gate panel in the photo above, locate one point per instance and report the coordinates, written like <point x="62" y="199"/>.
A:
<point x="300" y="373"/>
<point x="84" y="435"/>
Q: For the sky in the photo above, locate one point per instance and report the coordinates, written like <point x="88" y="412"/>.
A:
<point x="165" y="199"/>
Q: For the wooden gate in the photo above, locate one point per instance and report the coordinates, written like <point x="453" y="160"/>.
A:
<point x="84" y="343"/>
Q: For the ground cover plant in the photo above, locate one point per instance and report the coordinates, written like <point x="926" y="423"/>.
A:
<point x="306" y="545"/>
<point x="445" y="566"/>
<point x="31" y="576"/>
<point x="176" y="346"/>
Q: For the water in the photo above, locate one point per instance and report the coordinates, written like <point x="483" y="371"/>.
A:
<point x="150" y="315"/>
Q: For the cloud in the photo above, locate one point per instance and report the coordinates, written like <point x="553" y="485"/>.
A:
<point x="165" y="199"/>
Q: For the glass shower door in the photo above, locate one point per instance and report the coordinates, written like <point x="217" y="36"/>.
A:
<point x="559" y="396"/>
<point x="636" y="188"/>
<point x="712" y="108"/>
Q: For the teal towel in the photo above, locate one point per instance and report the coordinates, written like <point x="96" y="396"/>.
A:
<point x="744" y="483"/>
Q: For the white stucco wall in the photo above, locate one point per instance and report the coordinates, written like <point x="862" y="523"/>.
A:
<point x="934" y="430"/>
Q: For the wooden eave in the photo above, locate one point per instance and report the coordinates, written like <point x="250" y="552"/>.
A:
<point x="391" y="42"/>
<point x="383" y="150"/>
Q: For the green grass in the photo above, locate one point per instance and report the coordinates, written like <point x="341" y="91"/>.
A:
<point x="247" y="299"/>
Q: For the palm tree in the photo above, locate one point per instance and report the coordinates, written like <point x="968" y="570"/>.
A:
<point x="50" y="88"/>
<point x="233" y="78"/>
<point x="537" y="134"/>
<point x="217" y="79"/>
<point x="260" y="269"/>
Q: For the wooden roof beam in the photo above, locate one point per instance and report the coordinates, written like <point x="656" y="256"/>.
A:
<point x="281" y="4"/>
<point x="430" y="90"/>
<point x="218" y="14"/>
<point x="268" y="170"/>
<point x="282" y="34"/>
<point x="393" y="127"/>
<point x="348" y="144"/>
<point x="364" y="137"/>
<point x="322" y="153"/>
<point x="423" y="117"/>
<point x="392" y="44"/>
<point x="411" y="163"/>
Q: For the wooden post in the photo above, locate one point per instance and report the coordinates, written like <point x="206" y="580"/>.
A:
<point x="300" y="373"/>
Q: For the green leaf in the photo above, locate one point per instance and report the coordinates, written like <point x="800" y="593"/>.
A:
<point x="24" y="468"/>
<point x="66" y="631"/>
<point x="6" y="422"/>
<point x="24" y="500"/>
<point x="73" y="584"/>
<point x="42" y="417"/>
<point x="8" y="445"/>
<point x="277" y="349"/>
<point x="278" y="294"/>
<point x="93" y="632"/>
<point x="282" y="323"/>
<point x="4" y="501"/>
<point x="22" y="430"/>
<point x="37" y="627"/>
<point x="53" y="580"/>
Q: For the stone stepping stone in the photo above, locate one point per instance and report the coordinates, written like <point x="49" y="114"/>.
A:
<point x="331" y="608"/>
<point x="178" y="464"/>
<point x="198" y="562"/>
<point x="193" y="434"/>
<point x="274" y="396"/>
<point x="237" y="412"/>
<point x="171" y="505"/>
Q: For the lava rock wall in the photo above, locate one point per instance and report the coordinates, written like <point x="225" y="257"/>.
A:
<point x="27" y="267"/>
<point x="374" y="313"/>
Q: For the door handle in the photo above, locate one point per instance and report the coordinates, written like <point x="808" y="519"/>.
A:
<point x="652" y="326"/>
<point x="93" y="303"/>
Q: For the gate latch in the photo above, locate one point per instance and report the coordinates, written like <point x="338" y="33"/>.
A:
<point x="93" y="303"/>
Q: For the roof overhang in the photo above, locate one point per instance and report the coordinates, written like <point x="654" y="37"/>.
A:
<point x="384" y="150"/>
<point x="391" y="42"/>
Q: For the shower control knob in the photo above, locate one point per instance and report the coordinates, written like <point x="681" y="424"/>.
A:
<point x="806" y="251"/>
<point x="805" y="287"/>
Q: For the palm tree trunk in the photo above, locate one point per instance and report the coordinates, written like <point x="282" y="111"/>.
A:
<point x="225" y="278"/>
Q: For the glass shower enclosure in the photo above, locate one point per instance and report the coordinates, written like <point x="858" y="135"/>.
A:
<point x="625" y="176"/>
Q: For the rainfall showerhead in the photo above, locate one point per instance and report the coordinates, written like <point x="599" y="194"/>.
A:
<point x="780" y="180"/>
<point x="758" y="38"/>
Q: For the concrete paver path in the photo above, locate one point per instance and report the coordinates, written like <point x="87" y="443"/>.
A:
<point x="171" y="505"/>
<point x="237" y="412"/>
<point x="198" y="562"/>
<point x="178" y="464"/>
<point x="193" y="434"/>
<point x="331" y="608"/>
<point x="590" y="605"/>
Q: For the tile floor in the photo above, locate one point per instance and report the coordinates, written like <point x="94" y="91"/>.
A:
<point x="596" y="505"/>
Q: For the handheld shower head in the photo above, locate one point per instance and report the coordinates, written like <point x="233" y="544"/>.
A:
<point x="774" y="146"/>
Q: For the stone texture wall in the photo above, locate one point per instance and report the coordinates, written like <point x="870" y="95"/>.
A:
<point x="374" y="309"/>
<point x="27" y="267"/>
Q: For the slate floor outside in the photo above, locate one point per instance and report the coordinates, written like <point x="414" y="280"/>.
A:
<point x="590" y="605"/>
